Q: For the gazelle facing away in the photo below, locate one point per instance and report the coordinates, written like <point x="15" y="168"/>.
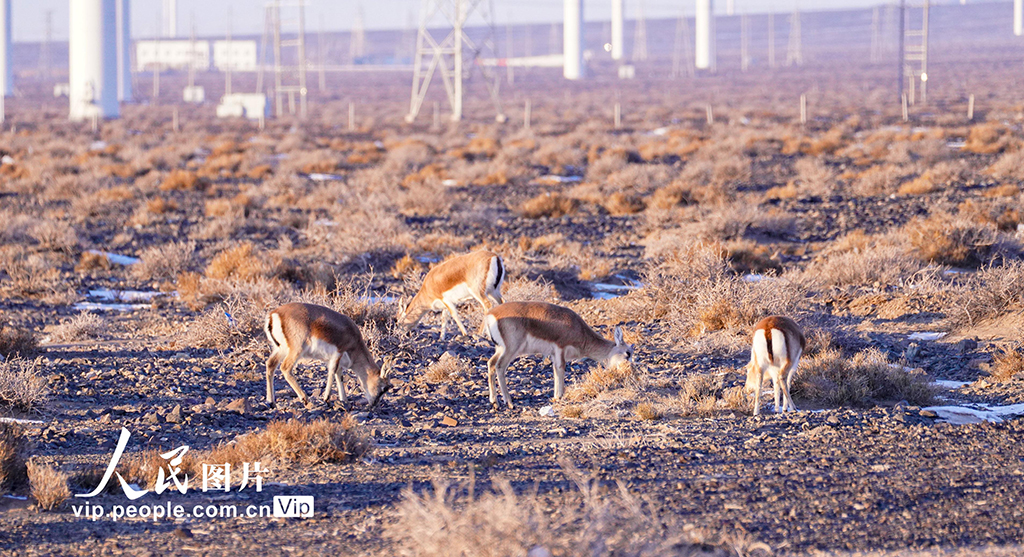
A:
<point x="520" y="328"/>
<point x="777" y="347"/>
<point x="297" y="331"/>
<point x="476" y="276"/>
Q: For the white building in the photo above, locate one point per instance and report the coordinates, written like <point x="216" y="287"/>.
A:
<point x="238" y="56"/>
<point x="176" y="54"/>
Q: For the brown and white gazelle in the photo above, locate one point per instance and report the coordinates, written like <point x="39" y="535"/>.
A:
<point x="520" y="328"/>
<point x="477" y="275"/>
<point x="297" y="331"/>
<point x="777" y="347"/>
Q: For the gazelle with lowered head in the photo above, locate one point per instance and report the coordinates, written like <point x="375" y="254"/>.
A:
<point x="778" y="344"/>
<point x="477" y="276"/>
<point x="521" y="328"/>
<point x="306" y="331"/>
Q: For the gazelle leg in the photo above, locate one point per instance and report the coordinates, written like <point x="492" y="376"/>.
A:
<point x="558" y="363"/>
<point x="455" y="316"/>
<point x="332" y="375"/>
<point x="757" y="392"/>
<point x="492" y="365"/>
<point x="787" y="399"/>
<point x="502" y="366"/>
<point x="286" y="369"/>
<point x="272" y="362"/>
<point x="444" y="322"/>
<point x="775" y="390"/>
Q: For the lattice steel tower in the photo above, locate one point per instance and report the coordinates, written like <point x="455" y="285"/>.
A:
<point x="452" y="57"/>
<point x="289" y="78"/>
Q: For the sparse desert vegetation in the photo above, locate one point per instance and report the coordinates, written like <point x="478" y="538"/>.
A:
<point x="138" y="263"/>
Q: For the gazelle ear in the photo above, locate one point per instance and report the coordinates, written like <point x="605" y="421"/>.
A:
<point x="618" y="336"/>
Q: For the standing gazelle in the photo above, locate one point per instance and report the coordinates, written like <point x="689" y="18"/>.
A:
<point x="298" y="331"/>
<point x="476" y="276"/>
<point x="520" y="328"/>
<point x="777" y="347"/>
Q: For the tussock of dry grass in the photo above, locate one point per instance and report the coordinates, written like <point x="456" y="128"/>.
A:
<point x="238" y="263"/>
<point x="13" y="453"/>
<point x="550" y="205"/>
<point x="522" y="289"/>
<point x="449" y="368"/>
<point x="835" y="379"/>
<point x="16" y="342"/>
<point x="83" y="326"/>
<point x="49" y="486"/>
<point x="601" y="520"/>
<point x="957" y="241"/>
<point x="21" y="384"/>
<point x="600" y="379"/>
<point x="880" y="263"/>
<point x="1008" y="364"/>
<point x="165" y="262"/>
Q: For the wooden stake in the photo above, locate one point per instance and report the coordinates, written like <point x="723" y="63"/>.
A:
<point x="970" y="107"/>
<point x="351" y="116"/>
<point x="618" y="115"/>
<point x="526" y="114"/>
<point x="803" y="108"/>
<point x="711" y="115"/>
<point x="174" y="119"/>
<point x="906" y="115"/>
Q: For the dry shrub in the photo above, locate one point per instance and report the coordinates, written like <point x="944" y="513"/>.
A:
<point x="878" y="180"/>
<point x="1004" y="190"/>
<point x="988" y="138"/>
<point x="16" y="342"/>
<point x="933" y="179"/>
<point x="21" y="384"/>
<point x="814" y="176"/>
<point x="90" y="261"/>
<point x="987" y="294"/>
<point x="522" y="289"/>
<point x="1008" y="364"/>
<point x="55" y="235"/>
<point x="405" y="266"/>
<point x="836" y="379"/>
<point x="601" y="379"/>
<point x="83" y="326"/>
<point x="455" y="520"/>
<point x="238" y="321"/>
<point x="619" y="204"/>
<point x="295" y="441"/>
<point x="13" y="453"/>
<point x="573" y="411"/>
<point x="880" y="263"/>
<point x="49" y="486"/>
<point x="449" y="368"/>
<point x="31" y="275"/>
<point x="958" y="241"/>
<point x="551" y="205"/>
<point x="165" y="262"/>
<point x="673" y="195"/>
<point x="182" y="180"/>
<point x="1010" y="166"/>
<point x="238" y="263"/>
<point x="648" y="411"/>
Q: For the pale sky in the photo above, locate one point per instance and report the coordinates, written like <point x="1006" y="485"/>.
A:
<point x="29" y="16"/>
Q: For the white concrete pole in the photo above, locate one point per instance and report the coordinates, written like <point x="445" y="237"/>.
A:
<point x="92" y="45"/>
<point x="124" y="51"/>
<point x="1018" y="17"/>
<point x="617" y="23"/>
<point x="6" y="68"/>
<point x="572" y="40"/>
<point x="703" y="51"/>
<point x="170" y="19"/>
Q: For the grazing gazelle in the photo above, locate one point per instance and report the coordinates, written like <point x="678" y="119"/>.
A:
<point x="520" y="328"/>
<point x="297" y="331"/>
<point x="476" y="276"/>
<point x="778" y="344"/>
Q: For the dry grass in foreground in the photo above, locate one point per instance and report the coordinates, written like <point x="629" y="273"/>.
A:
<point x="16" y="342"/>
<point x="49" y="486"/>
<point x="13" y="452"/>
<point x="21" y="385"/>
<point x="836" y="379"/>
<point x="1008" y="364"/>
<point x="280" y="444"/>
<point x="599" y="520"/>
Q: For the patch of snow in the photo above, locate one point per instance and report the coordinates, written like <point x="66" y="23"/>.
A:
<point x="753" y="277"/>
<point x="323" y="177"/>
<point x="7" y="159"/>
<point x="956" y="144"/>
<point x="379" y="299"/>
<point x="560" y="179"/>
<point x="95" y="306"/>
<point x="20" y="421"/>
<point x="18" y="497"/>
<point x="109" y="295"/>
<point x="325" y="222"/>
<point x="449" y="182"/>
<point x="547" y="411"/>
<point x="947" y="384"/>
<point x="97" y="145"/>
<point x="116" y="258"/>
<point x="959" y="415"/>
<point x="659" y="131"/>
<point x="926" y="336"/>
<point x="605" y="291"/>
